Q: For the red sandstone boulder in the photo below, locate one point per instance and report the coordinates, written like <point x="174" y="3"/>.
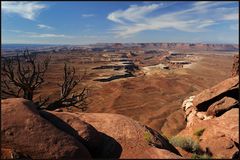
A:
<point x="23" y="129"/>
<point x="134" y="139"/>
<point x="72" y="124"/>
<point x="155" y="153"/>
<point x="221" y="106"/>
<point x="228" y="87"/>
<point x="9" y="153"/>
<point x="235" y="68"/>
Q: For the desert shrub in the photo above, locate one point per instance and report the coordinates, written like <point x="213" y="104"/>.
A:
<point x="148" y="136"/>
<point x="199" y="132"/>
<point x="185" y="143"/>
<point x="203" y="156"/>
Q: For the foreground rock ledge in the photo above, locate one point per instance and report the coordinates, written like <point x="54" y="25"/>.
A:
<point x="63" y="135"/>
<point x="118" y="136"/>
<point x="213" y="119"/>
<point x="226" y="88"/>
<point x="220" y="136"/>
<point x="24" y="130"/>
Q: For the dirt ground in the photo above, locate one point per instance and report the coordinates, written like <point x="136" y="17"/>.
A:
<point x="154" y="99"/>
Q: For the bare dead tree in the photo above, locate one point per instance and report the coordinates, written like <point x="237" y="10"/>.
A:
<point x="22" y="75"/>
<point x="67" y="97"/>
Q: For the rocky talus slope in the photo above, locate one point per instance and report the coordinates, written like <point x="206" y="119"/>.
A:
<point x="29" y="133"/>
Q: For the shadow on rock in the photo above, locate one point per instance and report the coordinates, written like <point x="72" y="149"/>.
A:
<point x="59" y="123"/>
<point x="99" y="144"/>
<point x="109" y="147"/>
<point x="127" y="75"/>
<point x="161" y="142"/>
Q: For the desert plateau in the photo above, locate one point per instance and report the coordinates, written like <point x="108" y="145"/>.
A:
<point x="121" y="95"/>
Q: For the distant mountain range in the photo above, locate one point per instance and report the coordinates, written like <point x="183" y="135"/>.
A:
<point x="196" y="46"/>
<point x="181" y="46"/>
<point x="24" y="46"/>
<point x="170" y="46"/>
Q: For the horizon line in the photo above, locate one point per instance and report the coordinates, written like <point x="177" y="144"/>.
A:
<point x="117" y="43"/>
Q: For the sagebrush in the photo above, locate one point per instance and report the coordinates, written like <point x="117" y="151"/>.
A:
<point x="185" y="143"/>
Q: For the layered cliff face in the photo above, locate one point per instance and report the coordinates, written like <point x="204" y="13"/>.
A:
<point x="213" y="117"/>
<point x="193" y="46"/>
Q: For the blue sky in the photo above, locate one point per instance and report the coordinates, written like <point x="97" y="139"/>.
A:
<point x="99" y="22"/>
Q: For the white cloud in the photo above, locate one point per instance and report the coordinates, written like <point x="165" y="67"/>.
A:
<point x="87" y="15"/>
<point x="36" y="35"/>
<point x="135" y="19"/>
<point x="206" y="23"/>
<point x="19" y="31"/>
<point x="233" y="16"/>
<point x="201" y="3"/>
<point x="43" y="26"/>
<point x="133" y="13"/>
<point x="28" y="10"/>
<point x="14" y="30"/>
<point x="39" y="35"/>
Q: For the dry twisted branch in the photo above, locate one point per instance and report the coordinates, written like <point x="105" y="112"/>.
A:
<point x="77" y="99"/>
<point x="22" y="74"/>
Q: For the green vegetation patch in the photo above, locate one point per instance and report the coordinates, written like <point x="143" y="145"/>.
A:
<point x="203" y="156"/>
<point x="199" y="132"/>
<point x="148" y="136"/>
<point x="185" y="143"/>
